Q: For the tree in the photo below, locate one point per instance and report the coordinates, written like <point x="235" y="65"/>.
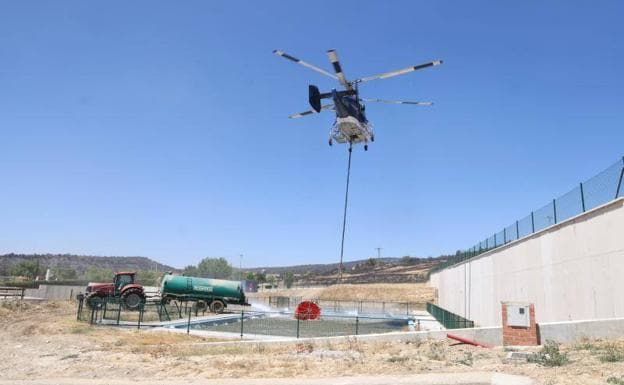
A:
<point x="261" y="277"/>
<point x="98" y="274"/>
<point x="218" y="268"/>
<point x="190" y="271"/>
<point x="250" y="276"/>
<point x="289" y="279"/>
<point x="29" y="269"/>
<point x="64" y="273"/>
<point x="148" y="278"/>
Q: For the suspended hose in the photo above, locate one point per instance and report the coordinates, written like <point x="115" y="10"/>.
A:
<point x="344" y="216"/>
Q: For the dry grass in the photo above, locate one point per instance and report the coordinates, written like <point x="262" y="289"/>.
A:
<point x="57" y="346"/>
<point x="402" y="292"/>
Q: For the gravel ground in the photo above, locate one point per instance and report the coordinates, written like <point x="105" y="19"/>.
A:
<point x="44" y="342"/>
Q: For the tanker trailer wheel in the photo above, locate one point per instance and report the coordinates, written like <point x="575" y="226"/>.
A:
<point x="132" y="299"/>
<point x="201" y="306"/>
<point x="217" y="306"/>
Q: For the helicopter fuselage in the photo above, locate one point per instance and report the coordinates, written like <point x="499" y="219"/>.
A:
<point x="351" y="125"/>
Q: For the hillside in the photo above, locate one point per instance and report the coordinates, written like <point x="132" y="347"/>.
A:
<point x="328" y="268"/>
<point x="81" y="263"/>
<point x="404" y="292"/>
<point x="383" y="270"/>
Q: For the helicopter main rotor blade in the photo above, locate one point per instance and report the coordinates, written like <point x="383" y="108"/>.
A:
<point x="403" y="71"/>
<point x="310" y="112"/>
<point x="397" y="102"/>
<point x="333" y="58"/>
<point x="308" y="65"/>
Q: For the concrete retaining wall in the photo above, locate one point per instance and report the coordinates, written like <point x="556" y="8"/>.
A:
<point x="574" y="331"/>
<point x="571" y="271"/>
<point x="54" y="292"/>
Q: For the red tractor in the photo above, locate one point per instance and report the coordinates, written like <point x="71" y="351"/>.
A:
<point x="123" y="287"/>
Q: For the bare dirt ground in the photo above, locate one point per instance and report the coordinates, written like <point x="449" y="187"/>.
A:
<point x="44" y="341"/>
<point x="400" y="292"/>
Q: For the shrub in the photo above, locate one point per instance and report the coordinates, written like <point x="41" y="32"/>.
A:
<point x="612" y="353"/>
<point x="615" y="380"/>
<point x="550" y="355"/>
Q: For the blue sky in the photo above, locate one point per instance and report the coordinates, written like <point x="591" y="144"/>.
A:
<point x="160" y="128"/>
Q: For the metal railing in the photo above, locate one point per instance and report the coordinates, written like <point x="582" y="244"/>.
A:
<point x="15" y="292"/>
<point x="343" y="305"/>
<point x="237" y="322"/>
<point x="447" y="319"/>
<point x="285" y="324"/>
<point x="598" y="190"/>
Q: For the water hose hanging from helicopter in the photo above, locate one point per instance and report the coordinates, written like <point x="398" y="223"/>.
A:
<point x="344" y="215"/>
<point x="351" y="124"/>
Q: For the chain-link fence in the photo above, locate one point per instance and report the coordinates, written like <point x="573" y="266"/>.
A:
<point x="285" y="324"/>
<point x="112" y="311"/>
<point x="238" y="321"/>
<point x="601" y="189"/>
<point x="365" y="307"/>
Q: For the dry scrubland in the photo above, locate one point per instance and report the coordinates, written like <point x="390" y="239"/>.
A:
<point x="402" y="292"/>
<point x="44" y="341"/>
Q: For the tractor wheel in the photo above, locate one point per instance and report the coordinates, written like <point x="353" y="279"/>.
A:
<point x="132" y="299"/>
<point x="217" y="306"/>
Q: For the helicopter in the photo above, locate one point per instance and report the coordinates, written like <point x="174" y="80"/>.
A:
<point x="351" y="125"/>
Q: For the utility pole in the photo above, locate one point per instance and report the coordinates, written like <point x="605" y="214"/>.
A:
<point x="378" y="252"/>
<point x="240" y="267"/>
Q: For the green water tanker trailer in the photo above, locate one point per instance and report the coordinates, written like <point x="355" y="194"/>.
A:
<point x="216" y="293"/>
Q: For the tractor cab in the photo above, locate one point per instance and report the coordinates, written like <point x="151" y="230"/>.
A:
<point x="121" y="280"/>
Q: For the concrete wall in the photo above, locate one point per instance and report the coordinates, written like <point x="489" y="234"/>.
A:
<point x="571" y="271"/>
<point x="54" y="292"/>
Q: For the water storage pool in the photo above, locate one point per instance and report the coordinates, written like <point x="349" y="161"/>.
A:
<point x="284" y="325"/>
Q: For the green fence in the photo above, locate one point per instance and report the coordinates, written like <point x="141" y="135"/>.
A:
<point x="602" y="188"/>
<point x="447" y="319"/>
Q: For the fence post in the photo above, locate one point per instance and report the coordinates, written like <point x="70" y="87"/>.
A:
<point x="504" y="236"/>
<point x="297" y="328"/>
<point x="494" y="239"/>
<point x="140" y="317"/>
<point x="555" y="210"/>
<point x="105" y="308"/>
<point x="357" y="325"/>
<point x="517" y="231"/>
<point x="188" y="324"/>
<point x="617" y="191"/>
<point x="118" y="312"/>
<point x="242" y="320"/>
<point x="532" y="223"/>
<point x="582" y="197"/>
